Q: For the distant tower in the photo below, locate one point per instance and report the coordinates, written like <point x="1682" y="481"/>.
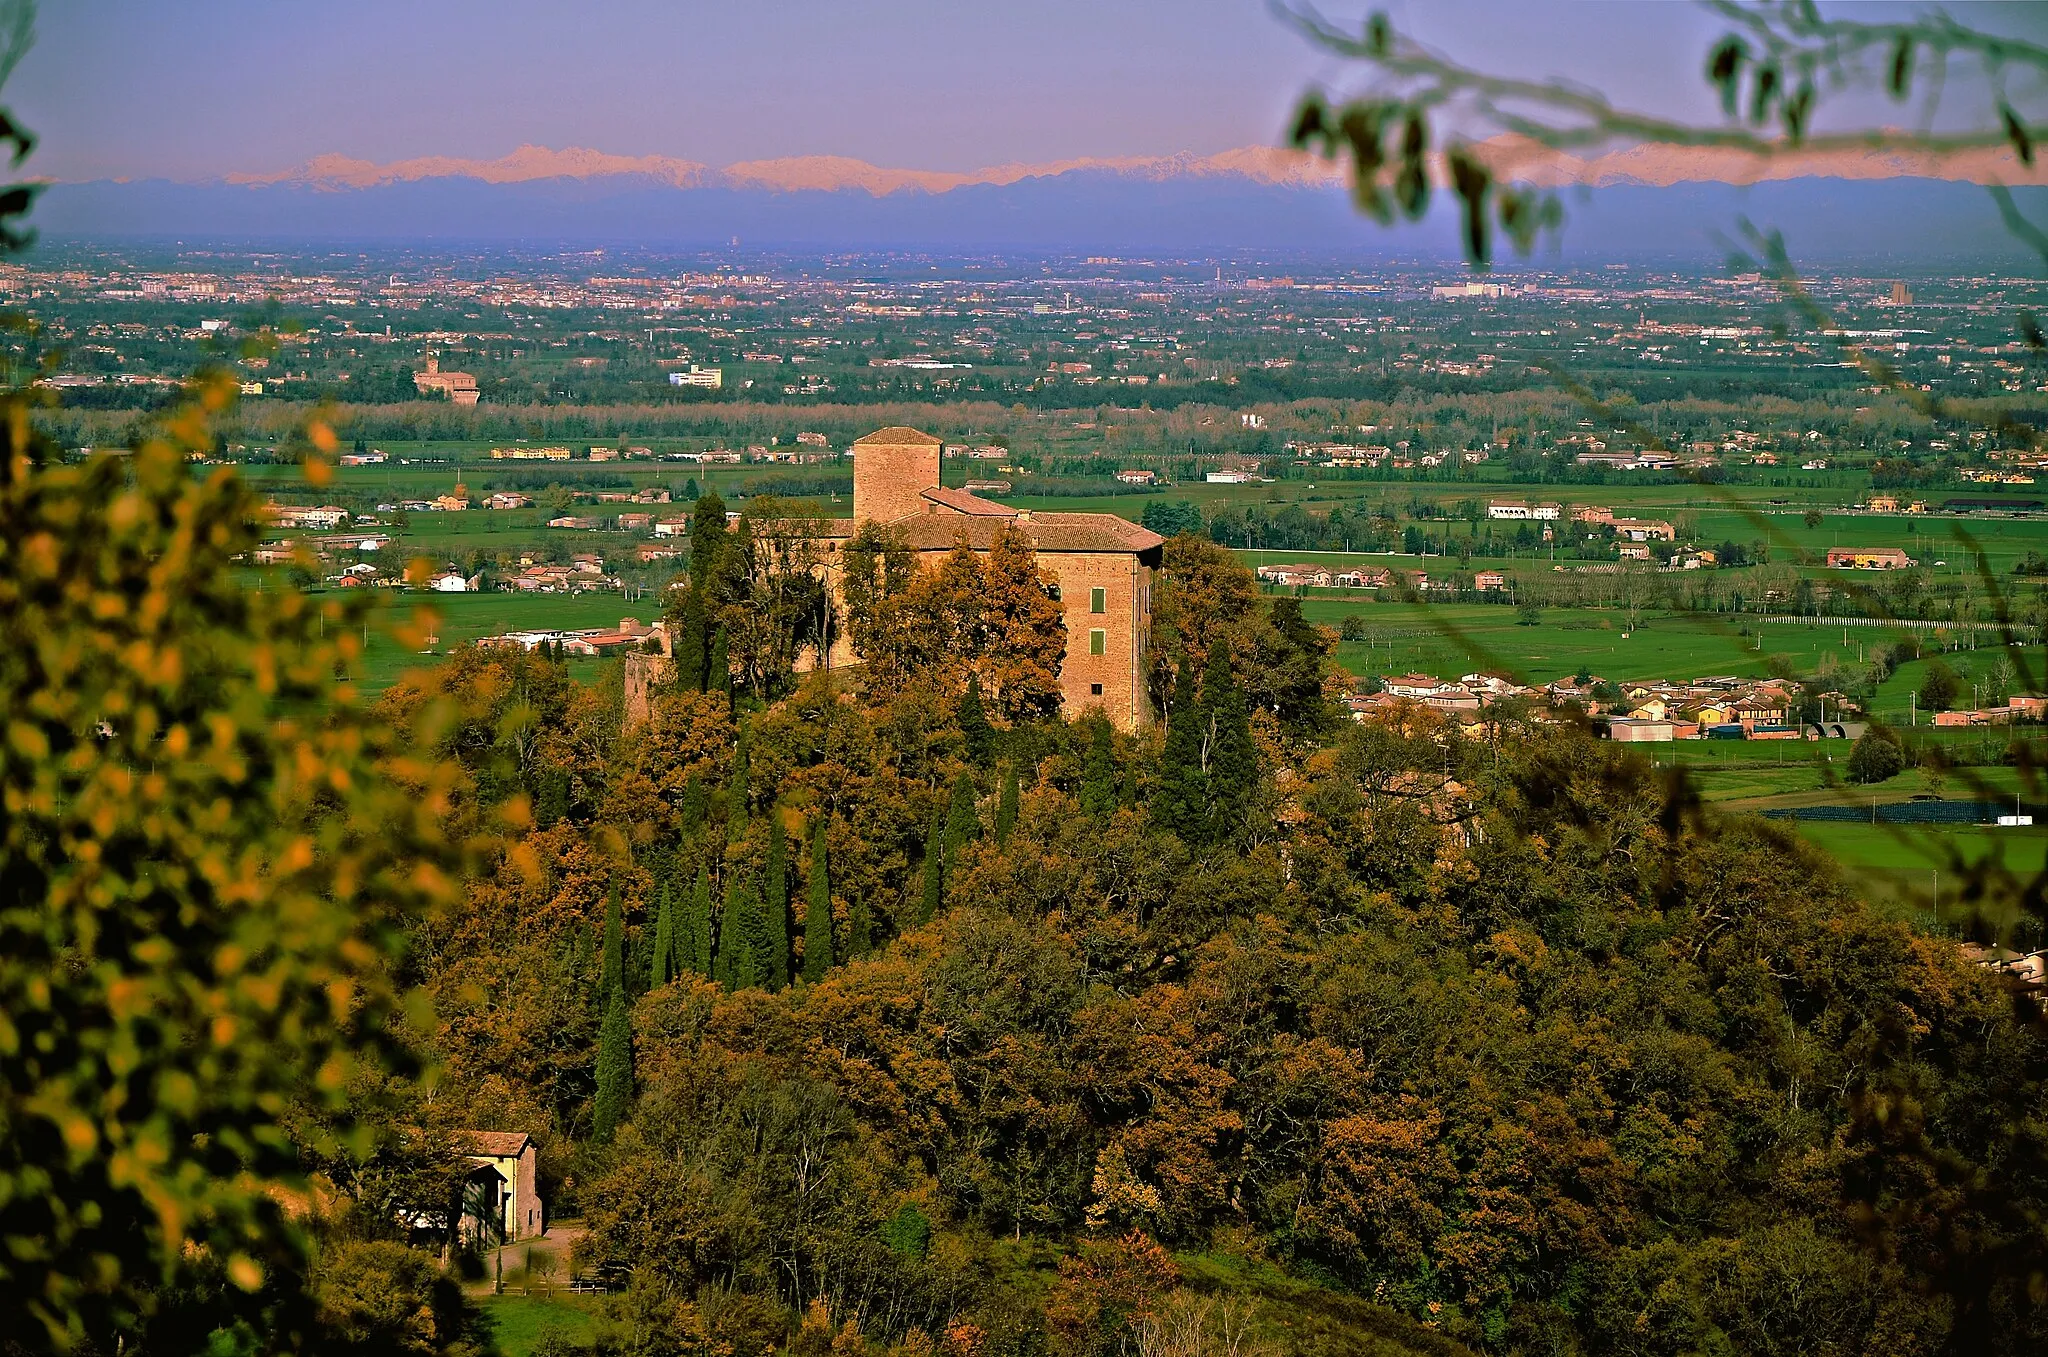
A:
<point x="891" y="470"/>
<point x="1901" y="295"/>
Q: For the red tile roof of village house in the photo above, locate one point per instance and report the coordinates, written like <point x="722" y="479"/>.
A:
<point x="493" y="1144"/>
<point x="896" y="435"/>
<point x="1048" y="532"/>
<point x="960" y="502"/>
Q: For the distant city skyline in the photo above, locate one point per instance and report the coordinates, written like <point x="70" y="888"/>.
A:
<point x="128" y="89"/>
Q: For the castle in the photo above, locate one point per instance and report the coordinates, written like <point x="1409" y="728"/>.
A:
<point x="1102" y="565"/>
<point x="459" y="387"/>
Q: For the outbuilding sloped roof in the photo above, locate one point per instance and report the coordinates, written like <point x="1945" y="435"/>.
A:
<point x="491" y="1144"/>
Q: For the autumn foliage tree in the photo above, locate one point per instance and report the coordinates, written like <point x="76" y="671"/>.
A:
<point x="990" y="616"/>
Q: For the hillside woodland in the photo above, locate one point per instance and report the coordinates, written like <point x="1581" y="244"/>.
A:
<point x="863" y="1007"/>
<point x="901" y="1018"/>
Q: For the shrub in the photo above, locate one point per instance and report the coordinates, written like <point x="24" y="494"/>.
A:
<point x="1876" y="756"/>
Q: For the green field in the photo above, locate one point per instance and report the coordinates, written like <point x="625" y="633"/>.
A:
<point x="518" y="1323"/>
<point x="1925" y="869"/>
<point x="462" y="618"/>
<point x="1449" y="639"/>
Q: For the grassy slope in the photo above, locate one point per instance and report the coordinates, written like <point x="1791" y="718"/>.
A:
<point x="519" y="1322"/>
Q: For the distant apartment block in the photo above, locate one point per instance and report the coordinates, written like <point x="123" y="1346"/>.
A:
<point x="710" y="378"/>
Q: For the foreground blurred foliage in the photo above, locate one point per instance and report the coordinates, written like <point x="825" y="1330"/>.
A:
<point x="210" y="854"/>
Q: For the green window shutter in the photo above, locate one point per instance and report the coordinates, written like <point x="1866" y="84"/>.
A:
<point x="1098" y="600"/>
<point x="1098" y="642"/>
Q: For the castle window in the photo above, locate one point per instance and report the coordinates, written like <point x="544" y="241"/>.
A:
<point x="1095" y="690"/>
<point x="1098" y="642"/>
<point x="1098" y="600"/>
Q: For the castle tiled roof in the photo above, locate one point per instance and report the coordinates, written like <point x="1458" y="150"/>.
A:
<point x="1062" y="532"/>
<point x="960" y="502"/>
<point x="897" y="435"/>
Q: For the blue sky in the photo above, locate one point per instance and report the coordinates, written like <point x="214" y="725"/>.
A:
<point x="189" y="90"/>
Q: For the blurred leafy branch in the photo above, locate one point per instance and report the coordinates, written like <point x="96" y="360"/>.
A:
<point x="1774" y="68"/>
<point x="212" y="855"/>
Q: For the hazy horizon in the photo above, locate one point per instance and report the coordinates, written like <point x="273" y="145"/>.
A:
<point x="122" y="89"/>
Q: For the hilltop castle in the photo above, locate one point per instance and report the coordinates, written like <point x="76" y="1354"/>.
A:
<point x="1103" y="564"/>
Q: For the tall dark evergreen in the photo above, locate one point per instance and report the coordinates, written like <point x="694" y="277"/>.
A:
<point x="718" y="669"/>
<point x="732" y="938"/>
<point x="775" y="905"/>
<point x="979" y="734"/>
<point x="738" y="789"/>
<point x="613" y="973"/>
<point x="934" y="890"/>
<point x="963" y="824"/>
<point x="697" y="927"/>
<point x="707" y="538"/>
<point x="696" y="802"/>
<point x="1233" y="759"/>
<point x="1098" y="771"/>
<point x="1180" y="802"/>
<point x="860" y="928"/>
<point x="692" y="641"/>
<point x="614" y="1067"/>
<point x="1007" y="805"/>
<point x="750" y="964"/>
<point x="818" y="910"/>
<point x="662" y="967"/>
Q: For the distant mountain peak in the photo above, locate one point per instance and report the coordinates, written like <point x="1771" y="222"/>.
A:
<point x="528" y="163"/>
<point x="787" y="174"/>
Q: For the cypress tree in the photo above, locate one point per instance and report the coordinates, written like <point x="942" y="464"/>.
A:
<point x="695" y="802"/>
<point x="613" y="975"/>
<point x="860" y="928"/>
<point x="1098" y="775"/>
<point x="1233" y="758"/>
<point x="963" y="825"/>
<point x="974" y="725"/>
<point x="691" y="644"/>
<point x="736" y="790"/>
<point x="731" y="939"/>
<point x="775" y="906"/>
<point x="818" y="911"/>
<point x="707" y="538"/>
<point x="934" y="870"/>
<point x="750" y="963"/>
<point x="1181" y="798"/>
<point x="698" y="927"/>
<point x="718" y="669"/>
<point x="614" y="1067"/>
<point x="1006" y="806"/>
<point x="662" y="968"/>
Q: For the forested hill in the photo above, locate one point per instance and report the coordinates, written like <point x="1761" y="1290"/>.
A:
<point x="984" y="1032"/>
